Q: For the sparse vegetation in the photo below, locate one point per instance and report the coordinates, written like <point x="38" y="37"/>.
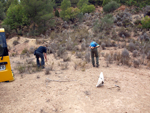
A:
<point x="131" y="46"/>
<point x="124" y="43"/>
<point x="47" y="71"/>
<point x="15" y="42"/>
<point x="125" y="58"/>
<point x="123" y="33"/>
<point x="21" y="68"/>
<point x="24" y="51"/>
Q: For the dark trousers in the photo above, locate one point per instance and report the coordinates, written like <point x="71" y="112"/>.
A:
<point x="94" y="53"/>
<point x="39" y="55"/>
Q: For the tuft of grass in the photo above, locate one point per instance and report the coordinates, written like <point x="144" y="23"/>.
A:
<point x="21" y="68"/>
<point x="135" y="53"/>
<point x="125" y="58"/>
<point x="131" y="46"/>
<point x="123" y="33"/>
<point x="136" y="63"/>
<point x="79" y="54"/>
<point x="64" y="65"/>
<point x="15" y="42"/>
<point x="75" y="65"/>
<point x="66" y="58"/>
<point x="24" y="51"/>
<point x="47" y="71"/>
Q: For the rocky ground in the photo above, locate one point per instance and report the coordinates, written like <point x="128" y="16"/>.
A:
<point x="74" y="91"/>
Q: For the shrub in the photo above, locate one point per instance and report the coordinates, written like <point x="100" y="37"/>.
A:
<point x="81" y="3"/>
<point x="51" y="66"/>
<point x="105" y="23"/>
<point x="65" y="4"/>
<point x="105" y="2"/>
<point x="57" y="13"/>
<point x="24" y="51"/>
<point x="15" y="42"/>
<point x="137" y="22"/>
<point x="39" y="41"/>
<point x="136" y="63"/>
<point x="75" y="65"/>
<point x="103" y="45"/>
<point x="130" y="2"/>
<point x="79" y="54"/>
<point x="80" y="17"/>
<point x="87" y="8"/>
<point x="131" y="46"/>
<point x="71" y="13"/>
<point x="135" y="53"/>
<point x="111" y="6"/>
<point x="21" y="68"/>
<point x="148" y="55"/>
<point x="47" y="71"/>
<point x="64" y="65"/>
<point x="123" y="33"/>
<point x="83" y="46"/>
<point x="125" y="57"/>
<point x="13" y="54"/>
<point x="146" y="22"/>
<point x="66" y="57"/>
<point x="109" y="58"/>
<point x="53" y="35"/>
<point x="125" y="53"/>
<point x="31" y="50"/>
<point x="87" y="57"/>
<point x="108" y="19"/>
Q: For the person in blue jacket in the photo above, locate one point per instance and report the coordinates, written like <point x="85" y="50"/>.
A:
<point x="39" y="54"/>
<point x="94" y="52"/>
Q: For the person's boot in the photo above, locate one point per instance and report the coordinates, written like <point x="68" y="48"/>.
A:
<point x="43" y="67"/>
<point x="38" y="66"/>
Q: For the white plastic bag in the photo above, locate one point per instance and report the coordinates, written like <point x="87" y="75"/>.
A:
<point x="100" y="80"/>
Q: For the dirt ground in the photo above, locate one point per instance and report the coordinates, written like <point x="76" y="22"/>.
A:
<point x="32" y="93"/>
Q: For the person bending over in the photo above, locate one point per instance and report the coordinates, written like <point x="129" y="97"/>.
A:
<point x="41" y="53"/>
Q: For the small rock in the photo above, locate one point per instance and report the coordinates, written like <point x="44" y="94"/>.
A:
<point x="38" y="77"/>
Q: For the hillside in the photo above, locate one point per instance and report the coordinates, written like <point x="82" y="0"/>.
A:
<point x="68" y="83"/>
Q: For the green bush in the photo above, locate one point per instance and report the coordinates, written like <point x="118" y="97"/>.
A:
<point x="131" y="2"/>
<point x="81" y="3"/>
<point x="80" y="17"/>
<point x="146" y="22"/>
<point x="108" y="19"/>
<point x="57" y="13"/>
<point x="105" y="2"/>
<point x="70" y="14"/>
<point x="111" y="6"/>
<point x="105" y="23"/>
<point x="87" y="8"/>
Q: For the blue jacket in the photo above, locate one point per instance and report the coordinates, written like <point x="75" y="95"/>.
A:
<point x="93" y="44"/>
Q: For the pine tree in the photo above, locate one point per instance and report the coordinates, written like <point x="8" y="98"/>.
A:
<point x="81" y="3"/>
<point x="57" y="13"/>
<point x="16" y="17"/>
<point x="39" y="12"/>
<point x="2" y="14"/>
<point x="65" y="4"/>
